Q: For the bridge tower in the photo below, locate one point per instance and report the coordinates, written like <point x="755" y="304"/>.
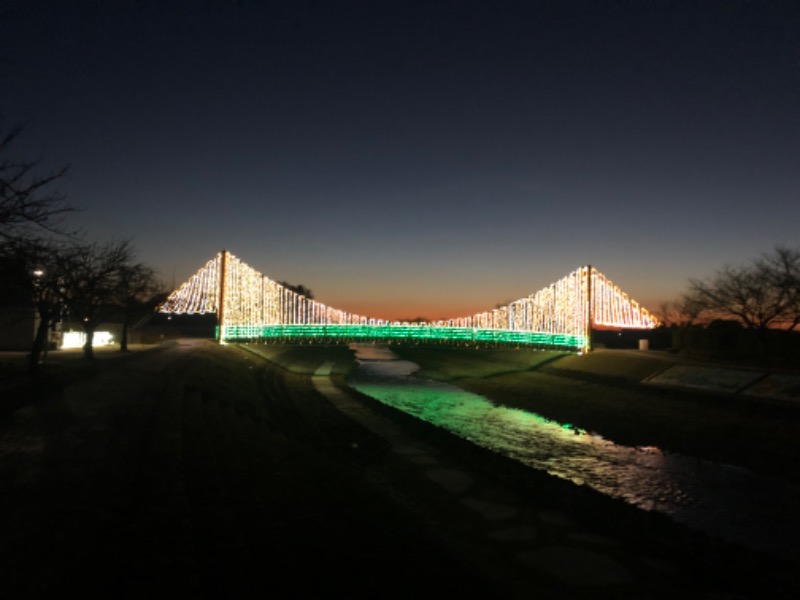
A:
<point x="222" y="283"/>
<point x="589" y="311"/>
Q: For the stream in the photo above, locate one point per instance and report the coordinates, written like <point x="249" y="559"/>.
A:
<point x="728" y="502"/>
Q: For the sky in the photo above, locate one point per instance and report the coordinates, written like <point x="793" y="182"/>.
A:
<point x="418" y="158"/>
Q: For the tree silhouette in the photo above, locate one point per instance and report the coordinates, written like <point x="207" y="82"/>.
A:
<point x="31" y="277"/>
<point x="30" y="220"/>
<point x="137" y="286"/>
<point x="92" y="277"/>
<point x="299" y="289"/>
<point x="27" y="210"/>
<point x="761" y="295"/>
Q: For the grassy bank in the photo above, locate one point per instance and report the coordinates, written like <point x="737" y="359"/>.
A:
<point x="451" y="364"/>
<point x="304" y="359"/>
<point x="202" y="471"/>
<point x="601" y="393"/>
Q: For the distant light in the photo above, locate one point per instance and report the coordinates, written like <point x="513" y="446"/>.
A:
<point x="76" y="339"/>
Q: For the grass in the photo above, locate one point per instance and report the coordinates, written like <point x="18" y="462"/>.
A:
<point x="601" y="393"/>
<point x="195" y="469"/>
<point x="624" y="365"/>
<point x="60" y="369"/>
<point x="451" y="364"/>
<point x="304" y="359"/>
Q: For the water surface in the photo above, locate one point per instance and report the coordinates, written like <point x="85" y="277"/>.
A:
<point x="728" y="502"/>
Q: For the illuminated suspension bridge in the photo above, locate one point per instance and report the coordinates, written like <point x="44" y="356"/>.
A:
<point x="250" y="306"/>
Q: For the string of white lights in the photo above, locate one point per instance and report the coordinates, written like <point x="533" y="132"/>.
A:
<point x="251" y="300"/>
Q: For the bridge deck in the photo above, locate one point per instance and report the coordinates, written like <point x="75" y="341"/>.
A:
<point x="404" y="332"/>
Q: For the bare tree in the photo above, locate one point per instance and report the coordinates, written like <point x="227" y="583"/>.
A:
<point x="30" y="219"/>
<point x="682" y="312"/>
<point x="782" y="269"/>
<point x="761" y="295"/>
<point x="680" y="315"/>
<point x="32" y="271"/>
<point x="27" y="210"/>
<point x="92" y="273"/>
<point x="137" y="285"/>
<point x="298" y="289"/>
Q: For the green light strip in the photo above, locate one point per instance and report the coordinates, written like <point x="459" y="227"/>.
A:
<point x="403" y="332"/>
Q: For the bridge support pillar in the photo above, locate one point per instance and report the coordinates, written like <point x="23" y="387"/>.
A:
<point x="589" y="308"/>
<point x="223" y="272"/>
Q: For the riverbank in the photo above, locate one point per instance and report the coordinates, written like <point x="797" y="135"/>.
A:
<point x="197" y="470"/>
<point x="604" y="392"/>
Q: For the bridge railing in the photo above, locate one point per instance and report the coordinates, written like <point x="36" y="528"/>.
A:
<point x="402" y="332"/>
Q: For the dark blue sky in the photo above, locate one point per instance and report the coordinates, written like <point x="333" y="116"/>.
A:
<point x="419" y="158"/>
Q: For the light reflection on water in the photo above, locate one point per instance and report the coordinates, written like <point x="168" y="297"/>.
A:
<point x="728" y="502"/>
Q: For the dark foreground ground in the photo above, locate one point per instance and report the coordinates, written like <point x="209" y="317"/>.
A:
<point x="195" y="470"/>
